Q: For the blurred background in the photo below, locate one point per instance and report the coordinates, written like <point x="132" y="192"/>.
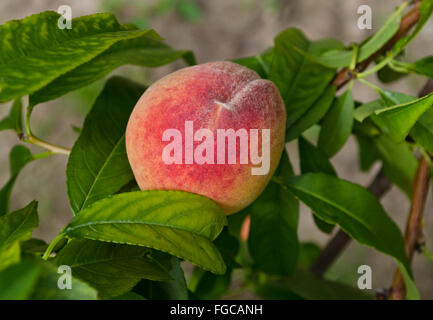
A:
<point x="218" y="30"/>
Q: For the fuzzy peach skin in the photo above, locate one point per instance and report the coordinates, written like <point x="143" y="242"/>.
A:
<point x="217" y="95"/>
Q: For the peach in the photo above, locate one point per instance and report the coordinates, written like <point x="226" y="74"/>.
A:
<point x="211" y="98"/>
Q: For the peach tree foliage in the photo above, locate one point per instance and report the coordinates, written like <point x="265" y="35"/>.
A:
<point x="136" y="254"/>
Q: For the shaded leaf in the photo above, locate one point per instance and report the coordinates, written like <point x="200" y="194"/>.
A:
<point x="46" y="286"/>
<point x="311" y="287"/>
<point x="337" y="125"/>
<point x="18" y="158"/>
<point x="424" y="66"/>
<point x="112" y="269"/>
<point x="314" y="160"/>
<point x="18" y="280"/>
<point x="273" y="241"/>
<point x="10" y="255"/>
<point x="312" y="115"/>
<point x="402" y="171"/>
<point x="368" y="153"/>
<point x="422" y="131"/>
<point x="175" y="289"/>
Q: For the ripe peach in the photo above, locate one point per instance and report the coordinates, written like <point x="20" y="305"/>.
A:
<point x="212" y="96"/>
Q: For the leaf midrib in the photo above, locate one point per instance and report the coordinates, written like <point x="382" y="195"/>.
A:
<point x="337" y="207"/>
<point x="18" y="228"/>
<point x="64" y="41"/>
<point x="100" y="171"/>
<point x="88" y="224"/>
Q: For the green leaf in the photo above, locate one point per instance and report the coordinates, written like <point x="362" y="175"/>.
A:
<point x="368" y="154"/>
<point x="354" y="209"/>
<point x="28" y="63"/>
<point x="424" y="66"/>
<point x="35" y="246"/>
<point x="98" y="165"/>
<point x="388" y="74"/>
<point x="14" y="120"/>
<point x="300" y="80"/>
<point x="112" y="269"/>
<point x="426" y="10"/>
<point x="399" y="119"/>
<point x="312" y="115"/>
<point x="208" y="286"/>
<point x="367" y="109"/>
<point x="337" y="124"/>
<point x="10" y="255"/>
<point x="180" y="223"/>
<point x="175" y="289"/>
<point x="143" y="51"/>
<point x="17" y="281"/>
<point x="18" y="225"/>
<point x="337" y="58"/>
<point x="308" y="253"/>
<point x="313" y="160"/>
<point x="422" y="132"/>
<point x="399" y="163"/>
<point x="260" y="63"/>
<point x="310" y="287"/>
<point x="273" y="240"/>
<point x="381" y="37"/>
<point x="46" y="287"/>
<point x="18" y="158"/>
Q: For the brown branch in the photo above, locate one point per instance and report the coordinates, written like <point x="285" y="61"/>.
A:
<point x="407" y="22"/>
<point x="413" y="233"/>
<point x="380" y="184"/>
<point x="336" y="245"/>
<point x="413" y="227"/>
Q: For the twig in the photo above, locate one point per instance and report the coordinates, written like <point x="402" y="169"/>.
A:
<point x="413" y="228"/>
<point x="29" y="137"/>
<point x="336" y="245"/>
<point x="341" y="239"/>
<point x="407" y="22"/>
<point x="413" y="233"/>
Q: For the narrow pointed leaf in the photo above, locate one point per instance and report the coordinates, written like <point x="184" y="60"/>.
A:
<point x="312" y="115"/>
<point x="273" y="240"/>
<point x="337" y="125"/>
<point x="391" y="26"/>
<point x="399" y="119"/>
<point x="18" y="225"/>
